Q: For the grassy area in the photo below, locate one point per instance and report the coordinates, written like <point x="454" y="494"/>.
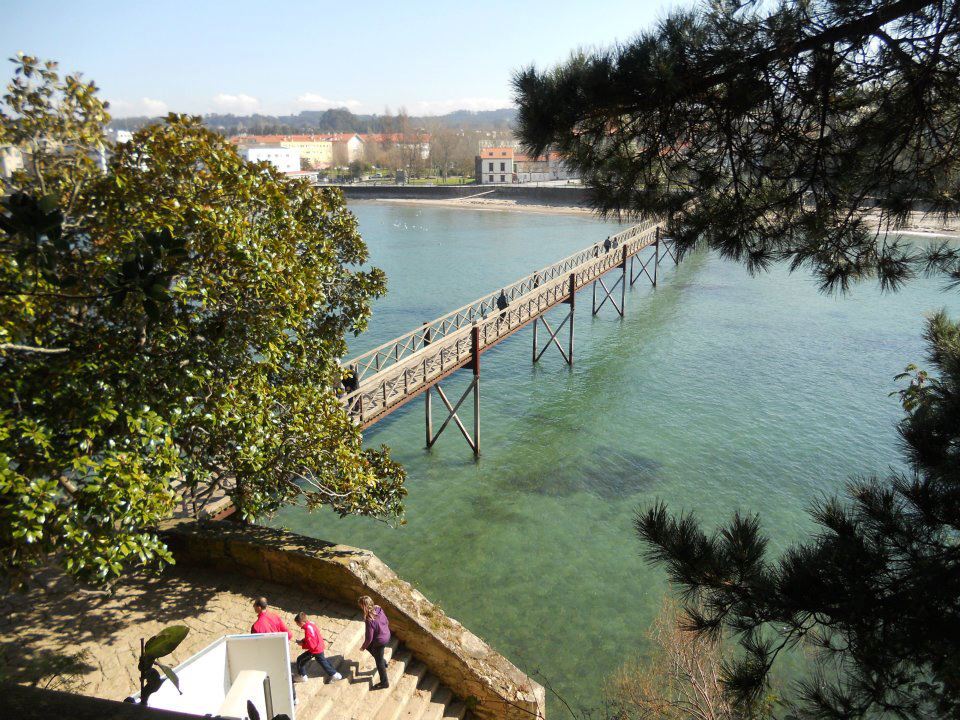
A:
<point x="442" y="181"/>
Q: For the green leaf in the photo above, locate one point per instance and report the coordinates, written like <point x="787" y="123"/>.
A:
<point x="165" y="641"/>
<point x="171" y="676"/>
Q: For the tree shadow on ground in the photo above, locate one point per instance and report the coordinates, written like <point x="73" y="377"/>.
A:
<point x="61" y="617"/>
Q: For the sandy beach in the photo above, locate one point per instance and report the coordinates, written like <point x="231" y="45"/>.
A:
<point x="480" y="203"/>
<point x="919" y="224"/>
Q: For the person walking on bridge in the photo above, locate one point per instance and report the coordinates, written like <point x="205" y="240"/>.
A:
<point x="377" y="636"/>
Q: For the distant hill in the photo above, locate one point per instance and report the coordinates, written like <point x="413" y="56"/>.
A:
<point x="340" y="120"/>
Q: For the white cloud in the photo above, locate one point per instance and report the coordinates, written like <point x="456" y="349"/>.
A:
<point x="313" y="101"/>
<point x="442" y="107"/>
<point x="241" y="104"/>
<point x="144" y="106"/>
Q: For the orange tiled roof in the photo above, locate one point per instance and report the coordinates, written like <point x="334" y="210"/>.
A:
<point x="262" y="139"/>
<point x="496" y="153"/>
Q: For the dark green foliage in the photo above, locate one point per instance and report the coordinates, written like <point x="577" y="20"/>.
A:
<point x="170" y="329"/>
<point x="876" y="591"/>
<point x="767" y="133"/>
<point x="160" y="645"/>
<point x="764" y="133"/>
<point x="165" y="641"/>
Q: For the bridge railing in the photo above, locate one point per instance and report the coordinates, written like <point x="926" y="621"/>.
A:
<point x="394" y="351"/>
<point x="423" y="363"/>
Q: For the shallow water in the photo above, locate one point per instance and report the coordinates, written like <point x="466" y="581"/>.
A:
<point x="718" y="391"/>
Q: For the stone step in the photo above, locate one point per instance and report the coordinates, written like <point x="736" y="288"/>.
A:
<point x="347" y="648"/>
<point x="414" y="694"/>
<point x="392" y="707"/>
<point x="421" y="699"/>
<point x="341" y="653"/>
<point x="344" y="704"/>
<point x="438" y="704"/>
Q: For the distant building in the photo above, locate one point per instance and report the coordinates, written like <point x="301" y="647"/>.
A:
<point x="546" y="168"/>
<point x="310" y="175"/>
<point x="123" y="136"/>
<point x="315" y="150"/>
<point x="495" y="166"/>
<point x="347" y="147"/>
<point x="283" y="159"/>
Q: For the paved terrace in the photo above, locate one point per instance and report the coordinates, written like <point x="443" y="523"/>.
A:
<point x="47" y="622"/>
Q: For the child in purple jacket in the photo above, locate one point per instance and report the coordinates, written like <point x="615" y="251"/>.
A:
<point x="378" y="635"/>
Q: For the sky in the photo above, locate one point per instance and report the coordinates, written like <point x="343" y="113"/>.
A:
<point x="282" y="57"/>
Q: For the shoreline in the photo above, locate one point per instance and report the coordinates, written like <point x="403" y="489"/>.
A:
<point x="919" y="224"/>
<point x="489" y="205"/>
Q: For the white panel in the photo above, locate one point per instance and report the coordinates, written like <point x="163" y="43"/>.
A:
<point x="248" y="686"/>
<point x="203" y="680"/>
<point x="269" y="652"/>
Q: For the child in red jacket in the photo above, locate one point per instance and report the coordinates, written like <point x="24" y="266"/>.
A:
<point x="313" y="645"/>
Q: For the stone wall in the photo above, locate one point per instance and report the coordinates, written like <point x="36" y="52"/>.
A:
<point x="461" y="660"/>
<point x="561" y="196"/>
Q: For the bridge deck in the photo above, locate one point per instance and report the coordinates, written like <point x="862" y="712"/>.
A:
<point x="397" y="371"/>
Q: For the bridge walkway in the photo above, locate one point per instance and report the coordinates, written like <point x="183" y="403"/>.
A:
<point x="387" y="377"/>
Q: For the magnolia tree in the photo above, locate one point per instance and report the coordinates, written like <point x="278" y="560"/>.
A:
<point x="170" y="327"/>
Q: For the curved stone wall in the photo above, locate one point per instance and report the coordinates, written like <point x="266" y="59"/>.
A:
<point x="461" y="660"/>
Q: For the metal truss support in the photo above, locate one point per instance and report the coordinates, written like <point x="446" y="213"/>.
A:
<point x="608" y="292"/>
<point x="670" y="248"/>
<point x="653" y="260"/>
<point x="568" y="355"/>
<point x="452" y="410"/>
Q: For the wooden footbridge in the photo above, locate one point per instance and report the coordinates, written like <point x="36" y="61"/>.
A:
<point x="387" y="377"/>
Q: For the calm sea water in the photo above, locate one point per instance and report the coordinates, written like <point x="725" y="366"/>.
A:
<point x="717" y="392"/>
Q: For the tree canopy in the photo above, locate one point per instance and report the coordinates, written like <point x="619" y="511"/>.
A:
<point x="800" y="132"/>
<point x="765" y="133"/>
<point x="170" y="326"/>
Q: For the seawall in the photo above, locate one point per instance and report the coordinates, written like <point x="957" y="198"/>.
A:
<point x="559" y="196"/>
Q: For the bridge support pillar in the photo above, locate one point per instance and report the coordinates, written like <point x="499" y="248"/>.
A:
<point x="656" y="263"/>
<point x="572" y="302"/>
<point x="653" y="259"/>
<point x="452" y="409"/>
<point x="608" y="292"/>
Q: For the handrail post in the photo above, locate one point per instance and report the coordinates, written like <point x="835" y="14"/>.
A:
<point x="656" y="250"/>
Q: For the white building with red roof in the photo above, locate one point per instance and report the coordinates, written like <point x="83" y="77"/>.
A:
<point x="495" y="166"/>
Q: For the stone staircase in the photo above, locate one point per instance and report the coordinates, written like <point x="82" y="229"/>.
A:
<point x="414" y="693"/>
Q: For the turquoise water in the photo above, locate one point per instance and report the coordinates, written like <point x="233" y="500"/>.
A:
<point x="718" y="391"/>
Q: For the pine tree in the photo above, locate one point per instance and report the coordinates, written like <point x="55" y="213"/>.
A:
<point x="766" y="134"/>
<point x="802" y="134"/>
<point x="876" y="589"/>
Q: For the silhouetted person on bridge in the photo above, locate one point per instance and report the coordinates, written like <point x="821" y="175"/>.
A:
<point x="502" y="304"/>
<point x="349" y="380"/>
